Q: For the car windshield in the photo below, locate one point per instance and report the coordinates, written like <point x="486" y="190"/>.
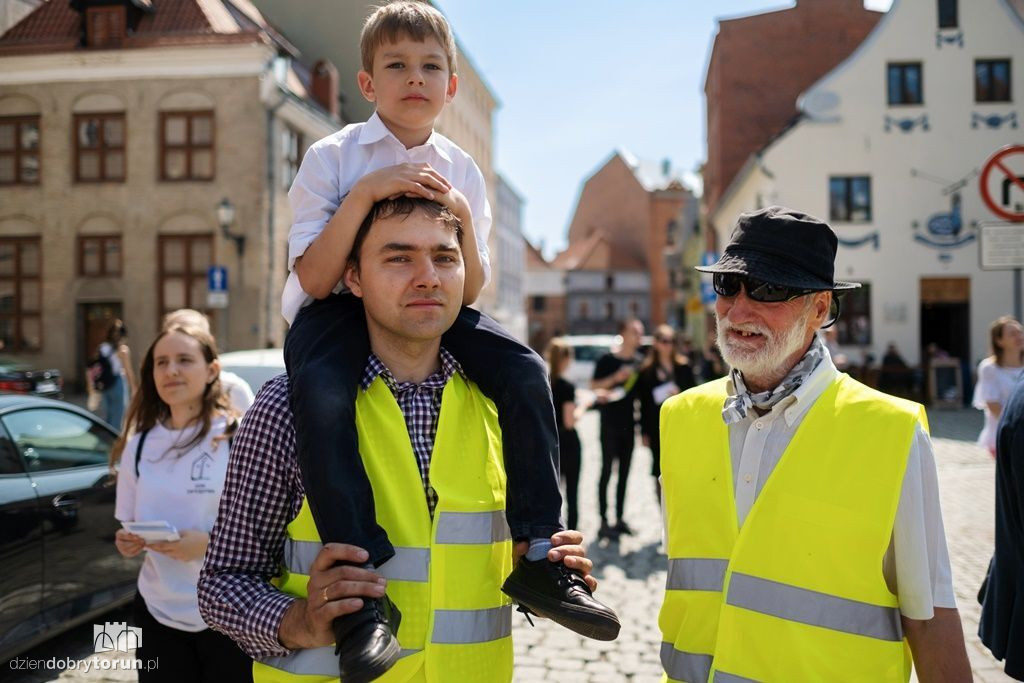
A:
<point x="589" y="352"/>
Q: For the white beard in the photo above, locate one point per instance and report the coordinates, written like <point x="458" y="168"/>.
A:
<point x="768" y="362"/>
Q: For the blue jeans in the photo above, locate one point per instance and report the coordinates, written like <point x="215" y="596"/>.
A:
<point x="113" y="403"/>
<point x="325" y="353"/>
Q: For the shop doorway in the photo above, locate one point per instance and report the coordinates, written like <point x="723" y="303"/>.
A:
<point x="945" y="315"/>
<point x="945" y="324"/>
<point x="93" y="321"/>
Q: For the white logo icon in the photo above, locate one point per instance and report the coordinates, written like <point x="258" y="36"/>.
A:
<point x="116" y="636"/>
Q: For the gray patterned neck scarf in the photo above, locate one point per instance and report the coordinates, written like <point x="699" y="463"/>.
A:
<point x="737" y="405"/>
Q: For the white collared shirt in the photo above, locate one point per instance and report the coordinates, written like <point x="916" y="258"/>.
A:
<point x="916" y="566"/>
<point x="333" y="165"/>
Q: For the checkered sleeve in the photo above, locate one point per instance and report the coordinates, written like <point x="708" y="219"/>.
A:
<point x="262" y="493"/>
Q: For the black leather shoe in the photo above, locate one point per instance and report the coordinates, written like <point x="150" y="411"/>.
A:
<point x="365" y="640"/>
<point x="622" y="529"/>
<point x="552" y="590"/>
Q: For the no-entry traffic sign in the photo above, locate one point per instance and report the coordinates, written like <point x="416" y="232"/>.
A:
<point x="1002" y="183"/>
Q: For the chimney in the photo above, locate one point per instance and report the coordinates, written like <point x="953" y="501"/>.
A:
<point x="325" y="86"/>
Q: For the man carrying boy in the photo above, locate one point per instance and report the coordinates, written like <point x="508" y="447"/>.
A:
<point x="408" y="56"/>
<point x="431" y="446"/>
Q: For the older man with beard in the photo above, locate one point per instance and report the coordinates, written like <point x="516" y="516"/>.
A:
<point x="804" y="533"/>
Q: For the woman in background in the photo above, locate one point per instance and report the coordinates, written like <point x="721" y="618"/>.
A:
<point x="119" y="387"/>
<point x="172" y="468"/>
<point x="664" y="373"/>
<point x="997" y="375"/>
<point x="569" y="450"/>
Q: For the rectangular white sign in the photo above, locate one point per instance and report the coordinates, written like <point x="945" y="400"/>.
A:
<point x="1002" y="246"/>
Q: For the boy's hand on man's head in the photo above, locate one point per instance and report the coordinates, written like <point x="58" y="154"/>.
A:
<point x="458" y="205"/>
<point x="414" y="180"/>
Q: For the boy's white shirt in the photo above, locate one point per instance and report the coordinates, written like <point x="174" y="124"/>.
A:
<point x="333" y="165"/>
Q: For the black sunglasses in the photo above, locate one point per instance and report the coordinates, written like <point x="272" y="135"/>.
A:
<point x="728" y="284"/>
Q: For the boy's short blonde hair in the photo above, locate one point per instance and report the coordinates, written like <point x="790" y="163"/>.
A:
<point x="405" y="18"/>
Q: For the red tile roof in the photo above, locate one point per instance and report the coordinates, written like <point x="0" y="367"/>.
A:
<point x="534" y="258"/>
<point x="56" y="26"/>
<point x="597" y="253"/>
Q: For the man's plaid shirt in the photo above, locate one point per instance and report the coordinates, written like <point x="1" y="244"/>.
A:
<point x="263" y="492"/>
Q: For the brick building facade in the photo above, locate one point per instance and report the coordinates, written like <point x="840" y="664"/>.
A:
<point x="120" y="138"/>
<point x="628" y="210"/>
<point x="759" y="65"/>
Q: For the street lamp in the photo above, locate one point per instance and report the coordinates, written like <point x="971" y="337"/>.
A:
<point x="226" y="216"/>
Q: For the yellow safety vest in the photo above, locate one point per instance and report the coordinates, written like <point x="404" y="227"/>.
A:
<point x="798" y="594"/>
<point x="447" y="571"/>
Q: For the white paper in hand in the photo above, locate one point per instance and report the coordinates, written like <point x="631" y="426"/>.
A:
<point x="152" y="532"/>
<point x="663" y="392"/>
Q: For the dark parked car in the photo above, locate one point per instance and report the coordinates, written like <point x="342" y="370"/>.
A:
<point x="18" y="378"/>
<point x="58" y="563"/>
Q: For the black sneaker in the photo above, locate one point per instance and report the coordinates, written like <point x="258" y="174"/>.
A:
<point x="365" y="640"/>
<point x="622" y="529"/>
<point x="552" y="590"/>
<point x="607" y="532"/>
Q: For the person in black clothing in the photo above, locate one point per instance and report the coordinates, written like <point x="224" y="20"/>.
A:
<point x="1001" y="627"/>
<point x="711" y="364"/>
<point x="664" y="373"/>
<point x="569" y="449"/>
<point x="615" y="376"/>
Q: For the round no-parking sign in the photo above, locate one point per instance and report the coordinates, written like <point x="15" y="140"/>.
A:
<point x="1002" y="183"/>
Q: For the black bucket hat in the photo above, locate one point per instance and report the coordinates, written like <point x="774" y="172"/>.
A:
<point x="783" y="247"/>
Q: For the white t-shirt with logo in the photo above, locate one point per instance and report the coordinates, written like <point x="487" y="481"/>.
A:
<point x="182" y="488"/>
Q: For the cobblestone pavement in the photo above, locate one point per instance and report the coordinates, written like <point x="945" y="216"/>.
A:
<point x="632" y="574"/>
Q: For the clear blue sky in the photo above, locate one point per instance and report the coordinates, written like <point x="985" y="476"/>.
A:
<point x="578" y="79"/>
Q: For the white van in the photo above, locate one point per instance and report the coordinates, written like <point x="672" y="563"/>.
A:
<point x="587" y="348"/>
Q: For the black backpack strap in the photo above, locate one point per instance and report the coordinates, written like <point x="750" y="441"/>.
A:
<point x="138" y="451"/>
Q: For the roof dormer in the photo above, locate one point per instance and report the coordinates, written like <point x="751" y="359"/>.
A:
<point x="106" y="23"/>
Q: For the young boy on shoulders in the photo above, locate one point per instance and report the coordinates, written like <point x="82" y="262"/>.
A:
<point x="408" y="59"/>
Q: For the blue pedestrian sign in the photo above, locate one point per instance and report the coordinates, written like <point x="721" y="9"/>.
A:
<point x="217" y="287"/>
<point x="217" y="279"/>
<point x="707" y="293"/>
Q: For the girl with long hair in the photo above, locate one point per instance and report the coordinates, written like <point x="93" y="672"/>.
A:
<point x="664" y="373"/>
<point x="997" y="374"/>
<point x="172" y="459"/>
<point x="559" y="356"/>
<point x="119" y="386"/>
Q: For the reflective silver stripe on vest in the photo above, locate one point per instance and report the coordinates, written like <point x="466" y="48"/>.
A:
<point x="462" y="626"/>
<point x="814" y="608"/>
<point x="317" y="661"/>
<point x="472" y="527"/>
<point x="696" y="574"/>
<point x="408" y="564"/>
<point x="299" y="555"/>
<point x="722" y="677"/>
<point x="684" y="666"/>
